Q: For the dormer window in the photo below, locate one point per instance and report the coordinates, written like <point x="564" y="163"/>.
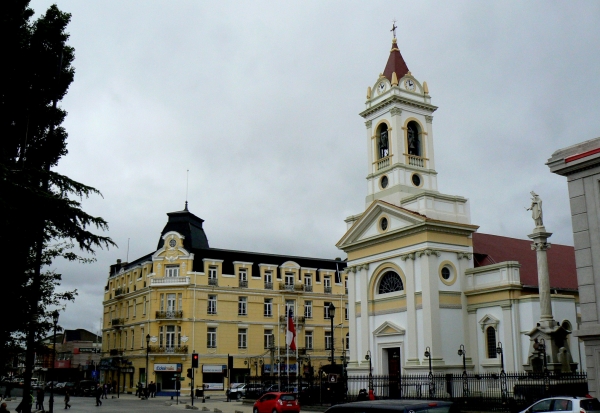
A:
<point x="172" y="271"/>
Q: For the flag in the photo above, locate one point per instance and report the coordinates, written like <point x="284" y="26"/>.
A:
<point x="290" y="336"/>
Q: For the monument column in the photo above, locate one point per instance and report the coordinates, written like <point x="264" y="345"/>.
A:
<point x="540" y="245"/>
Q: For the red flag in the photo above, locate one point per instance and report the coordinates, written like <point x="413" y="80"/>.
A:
<point x="290" y="337"/>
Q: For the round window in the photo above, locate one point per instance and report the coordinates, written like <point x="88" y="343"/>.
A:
<point x="383" y="223"/>
<point x="446" y="273"/>
<point x="384" y="181"/>
<point x="416" y="180"/>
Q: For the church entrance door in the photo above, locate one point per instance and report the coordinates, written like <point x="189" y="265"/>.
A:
<point x="393" y="356"/>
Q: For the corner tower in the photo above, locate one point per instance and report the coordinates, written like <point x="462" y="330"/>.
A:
<point x="401" y="160"/>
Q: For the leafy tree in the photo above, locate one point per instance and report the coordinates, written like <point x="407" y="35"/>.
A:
<point x="40" y="209"/>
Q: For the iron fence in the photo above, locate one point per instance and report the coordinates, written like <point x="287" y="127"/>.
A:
<point x="473" y="391"/>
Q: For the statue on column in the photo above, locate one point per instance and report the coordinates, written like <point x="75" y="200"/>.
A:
<point x="536" y="209"/>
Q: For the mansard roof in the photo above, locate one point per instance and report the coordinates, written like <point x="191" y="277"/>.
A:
<point x="395" y="63"/>
<point x="492" y="249"/>
<point x="188" y="225"/>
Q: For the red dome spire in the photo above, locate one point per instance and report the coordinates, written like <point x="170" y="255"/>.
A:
<point x="395" y="63"/>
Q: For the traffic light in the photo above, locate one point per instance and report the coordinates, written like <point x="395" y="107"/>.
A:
<point x="230" y="362"/>
<point x="189" y="373"/>
<point x="194" y="360"/>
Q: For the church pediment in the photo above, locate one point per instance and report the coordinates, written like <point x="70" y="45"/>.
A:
<point x="380" y="219"/>
<point x="388" y="329"/>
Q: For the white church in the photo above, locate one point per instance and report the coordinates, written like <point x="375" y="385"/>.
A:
<point x="420" y="276"/>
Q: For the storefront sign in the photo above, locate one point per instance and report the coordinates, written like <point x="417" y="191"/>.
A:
<point x="214" y="386"/>
<point x="62" y="364"/>
<point x="213" y="368"/>
<point x="86" y="350"/>
<point x="171" y="368"/>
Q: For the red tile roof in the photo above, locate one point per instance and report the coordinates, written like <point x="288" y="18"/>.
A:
<point x="395" y="63"/>
<point x="492" y="249"/>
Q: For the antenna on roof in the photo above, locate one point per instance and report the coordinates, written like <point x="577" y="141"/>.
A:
<point x="127" y="258"/>
<point x="187" y="185"/>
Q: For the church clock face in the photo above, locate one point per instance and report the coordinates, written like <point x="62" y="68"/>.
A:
<point x="381" y="87"/>
<point x="409" y="84"/>
<point x="172" y="243"/>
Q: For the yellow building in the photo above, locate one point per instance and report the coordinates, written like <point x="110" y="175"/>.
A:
<point x="187" y="297"/>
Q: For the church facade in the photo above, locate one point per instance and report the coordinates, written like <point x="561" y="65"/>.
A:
<point x="421" y="280"/>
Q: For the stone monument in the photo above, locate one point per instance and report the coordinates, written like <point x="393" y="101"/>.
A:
<point x="549" y="349"/>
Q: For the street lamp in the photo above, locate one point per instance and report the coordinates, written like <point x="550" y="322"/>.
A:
<point x="462" y="352"/>
<point x="428" y="355"/>
<point x="331" y="315"/>
<point x="500" y="351"/>
<point x="51" y="401"/>
<point x="368" y="358"/>
<point x="147" y="354"/>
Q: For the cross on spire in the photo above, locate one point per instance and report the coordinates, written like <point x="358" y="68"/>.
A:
<point x="394" y="27"/>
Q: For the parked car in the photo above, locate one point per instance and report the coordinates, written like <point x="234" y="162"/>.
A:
<point x="389" y="405"/>
<point x="237" y="392"/>
<point x="253" y="390"/>
<point x="86" y="388"/>
<point x="277" y="402"/>
<point x="565" y="404"/>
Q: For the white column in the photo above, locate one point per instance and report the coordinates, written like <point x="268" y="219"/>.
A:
<point x="463" y="263"/>
<point x="352" y="278"/>
<point x="540" y="245"/>
<point x="364" y="313"/>
<point x="412" y="349"/>
<point x="507" y="342"/>
<point x="432" y="336"/>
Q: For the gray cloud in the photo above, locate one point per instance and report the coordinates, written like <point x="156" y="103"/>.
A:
<point x="259" y="100"/>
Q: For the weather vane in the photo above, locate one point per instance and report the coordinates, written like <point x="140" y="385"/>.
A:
<point x="394" y="27"/>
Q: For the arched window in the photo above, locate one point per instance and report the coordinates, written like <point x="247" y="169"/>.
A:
<point x="390" y="282"/>
<point x="413" y="139"/>
<point x="383" y="141"/>
<point x="490" y="333"/>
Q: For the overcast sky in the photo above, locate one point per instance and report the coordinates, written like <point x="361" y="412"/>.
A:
<point x="260" y="101"/>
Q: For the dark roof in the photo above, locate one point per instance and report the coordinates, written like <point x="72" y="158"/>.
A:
<point x="188" y="225"/>
<point x="492" y="249"/>
<point x="395" y="63"/>
<point x="229" y="256"/>
<point x="80" y="334"/>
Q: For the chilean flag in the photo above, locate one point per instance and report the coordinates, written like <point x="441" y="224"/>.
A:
<point x="290" y="336"/>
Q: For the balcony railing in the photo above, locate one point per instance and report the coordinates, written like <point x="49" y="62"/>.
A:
<point x="118" y="292"/>
<point x="116" y="322"/>
<point x="297" y="319"/>
<point x="169" y="350"/>
<point x="116" y="352"/>
<point x="170" y="281"/>
<point x="268" y="286"/>
<point x="384" y="162"/>
<point x="327" y="290"/>
<point x="416" y="161"/>
<point x="308" y="288"/>
<point x="213" y="281"/>
<point x="243" y="283"/>
<point x="169" y="314"/>
<point x="286" y="287"/>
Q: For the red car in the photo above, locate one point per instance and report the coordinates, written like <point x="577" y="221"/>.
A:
<point x="277" y="403"/>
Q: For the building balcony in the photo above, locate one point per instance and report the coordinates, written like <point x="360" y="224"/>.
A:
<point x="243" y="284"/>
<point x="119" y="292"/>
<point x="327" y="290"/>
<point x="308" y="288"/>
<point x="169" y="281"/>
<point x="383" y="162"/>
<point x="169" y="350"/>
<point x="115" y="352"/>
<point x="117" y="322"/>
<point x="286" y="287"/>
<point x="213" y="281"/>
<point x="298" y="320"/>
<point x="268" y="286"/>
<point x="169" y="314"/>
<point x="414" y="160"/>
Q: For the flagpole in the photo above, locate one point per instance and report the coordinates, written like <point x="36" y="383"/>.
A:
<point x="278" y="342"/>
<point x="297" y="364"/>
<point x="287" y="350"/>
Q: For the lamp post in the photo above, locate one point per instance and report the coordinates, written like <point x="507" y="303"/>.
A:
<point x="147" y="355"/>
<point x="462" y="352"/>
<point x="431" y="383"/>
<point x="331" y="316"/>
<point x="500" y="351"/>
<point x="51" y="401"/>
<point x="368" y="358"/>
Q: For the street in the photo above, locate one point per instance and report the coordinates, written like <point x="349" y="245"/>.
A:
<point x="130" y="403"/>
